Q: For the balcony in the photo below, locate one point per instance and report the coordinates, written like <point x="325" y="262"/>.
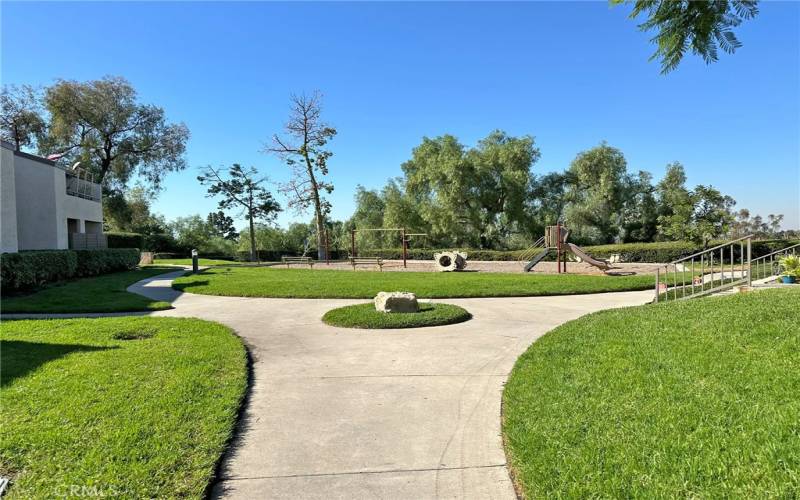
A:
<point x="80" y="186"/>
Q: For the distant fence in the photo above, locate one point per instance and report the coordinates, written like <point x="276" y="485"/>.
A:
<point x="87" y="241"/>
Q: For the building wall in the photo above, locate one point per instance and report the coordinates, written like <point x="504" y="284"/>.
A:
<point x="8" y="203"/>
<point x="36" y="206"/>
<point x="37" y="209"/>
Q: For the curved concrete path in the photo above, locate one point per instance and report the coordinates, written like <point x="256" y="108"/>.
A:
<point x="344" y="413"/>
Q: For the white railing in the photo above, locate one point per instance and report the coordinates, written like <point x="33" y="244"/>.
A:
<point x="83" y="188"/>
<point x="709" y="271"/>
<point x="766" y="266"/>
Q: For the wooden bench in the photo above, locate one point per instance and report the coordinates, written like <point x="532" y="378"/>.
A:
<point x="297" y="260"/>
<point x="366" y="261"/>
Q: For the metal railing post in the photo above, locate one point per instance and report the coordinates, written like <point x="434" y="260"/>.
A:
<point x="658" y="281"/>
<point x="749" y="263"/>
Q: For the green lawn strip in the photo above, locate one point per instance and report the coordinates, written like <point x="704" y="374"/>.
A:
<point x="694" y="398"/>
<point x="201" y="262"/>
<point x="305" y="283"/>
<point x="133" y="407"/>
<point x="104" y="293"/>
<point x="365" y="316"/>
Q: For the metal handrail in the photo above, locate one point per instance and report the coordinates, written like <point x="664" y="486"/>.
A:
<point x="711" y="263"/>
<point x="748" y="237"/>
<point x="760" y="262"/>
<point x="776" y="252"/>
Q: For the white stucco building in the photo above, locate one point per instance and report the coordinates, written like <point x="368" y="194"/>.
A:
<point x="45" y="207"/>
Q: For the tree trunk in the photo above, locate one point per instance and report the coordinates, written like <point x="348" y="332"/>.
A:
<point x="253" y="253"/>
<point x="320" y="235"/>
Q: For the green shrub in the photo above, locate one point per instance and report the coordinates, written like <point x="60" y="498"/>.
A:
<point x="125" y="240"/>
<point x="159" y="243"/>
<point x="109" y="260"/>
<point x="30" y="269"/>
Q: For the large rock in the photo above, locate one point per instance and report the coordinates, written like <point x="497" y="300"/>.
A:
<point x="396" y="302"/>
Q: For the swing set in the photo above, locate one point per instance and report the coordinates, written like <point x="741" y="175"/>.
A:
<point x="405" y="238"/>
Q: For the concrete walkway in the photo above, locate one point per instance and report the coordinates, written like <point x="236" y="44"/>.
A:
<point x="344" y="413"/>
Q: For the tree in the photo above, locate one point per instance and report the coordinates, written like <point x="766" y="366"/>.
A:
<point x="369" y="212"/>
<point x="545" y="203"/>
<point x="103" y="125"/>
<point x="674" y="201"/>
<point x="640" y="211"/>
<point x="194" y="232"/>
<point x="242" y="190"/>
<point x="598" y="186"/>
<point x="702" y="26"/>
<point x="130" y="212"/>
<point x="707" y="216"/>
<point x="21" y="121"/>
<point x="303" y="150"/>
<point x="471" y="196"/>
<point x="223" y="225"/>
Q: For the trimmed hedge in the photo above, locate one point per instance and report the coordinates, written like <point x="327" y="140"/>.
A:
<point x="147" y="242"/>
<point x="28" y="270"/>
<point x="125" y="240"/>
<point x="109" y="260"/>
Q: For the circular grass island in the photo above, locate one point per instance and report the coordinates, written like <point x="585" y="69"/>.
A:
<point x="365" y="316"/>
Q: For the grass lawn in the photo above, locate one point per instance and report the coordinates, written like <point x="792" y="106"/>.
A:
<point x="365" y="316"/>
<point x="104" y="293"/>
<point x="277" y="282"/>
<point x="129" y="407"/>
<point x="200" y="262"/>
<point x="690" y="399"/>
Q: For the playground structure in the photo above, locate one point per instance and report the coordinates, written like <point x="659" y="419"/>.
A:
<point x="450" y="261"/>
<point x="405" y="238"/>
<point x="555" y="238"/>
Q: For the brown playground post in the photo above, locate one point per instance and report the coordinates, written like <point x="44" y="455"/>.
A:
<point x="405" y="246"/>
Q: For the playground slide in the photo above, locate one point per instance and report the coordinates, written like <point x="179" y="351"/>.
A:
<point x="601" y="264"/>
<point x="536" y="259"/>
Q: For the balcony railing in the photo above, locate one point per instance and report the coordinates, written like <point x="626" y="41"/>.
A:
<point x="84" y="188"/>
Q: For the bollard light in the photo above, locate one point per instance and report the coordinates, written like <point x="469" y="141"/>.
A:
<point x="194" y="261"/>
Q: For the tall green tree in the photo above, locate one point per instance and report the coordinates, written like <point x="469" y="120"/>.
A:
<point x="640" y="212"/>
<point x="707" y="216"/>
<point x="244" y="190"/>
<point x="223" y="224"/>
<point x="303" y="148"/>
<point x="369" y="215"/>
<point x="597" y="192"/>
<point x="21" y="115"/>
<point x="102" y="124"/>
<point x="674" y="200"/>
<point x="702" y="27"/>
<point x="546" y="202"/>
<point x="471" y="196"/>
<point x="131" y="212"/>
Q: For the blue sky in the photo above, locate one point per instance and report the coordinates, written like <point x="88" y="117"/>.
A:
<point x="570" y="74"/>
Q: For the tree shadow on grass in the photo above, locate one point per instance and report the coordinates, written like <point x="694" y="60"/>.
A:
<point x="18" y="358"/>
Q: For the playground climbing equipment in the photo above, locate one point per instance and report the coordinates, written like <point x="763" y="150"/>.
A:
<point x="555" y="238"/>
